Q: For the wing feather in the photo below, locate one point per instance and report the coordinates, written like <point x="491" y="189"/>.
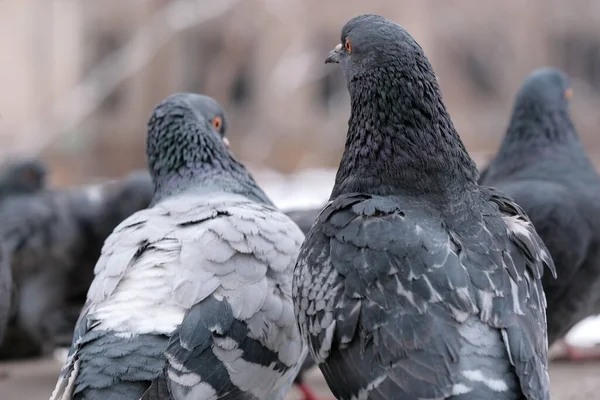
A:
<point x="165" y="272"/>
<point x="388" y="300"/>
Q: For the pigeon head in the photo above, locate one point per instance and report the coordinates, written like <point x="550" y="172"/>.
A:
<point x="21" y="177"/>
<point x="398" y="123"/>
<point x="212" y="112"/>
<point x="541" y="109"/>
<point x="371" y="41"/>
<point x="545" y="90"/>
<point x="186" y="150"/>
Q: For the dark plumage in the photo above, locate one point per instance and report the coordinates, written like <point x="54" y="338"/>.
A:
<point x="22" y="177"/>
<point x="543" y="166"/>
<point x="19" y="177"/>
<point x="191" y="297"/>
<point x="305" y="220"/>
<point x="52" y="240"/>
<point x="415" y="282"/>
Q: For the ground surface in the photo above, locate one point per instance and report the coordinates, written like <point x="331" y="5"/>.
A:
<point x="34" y="380"/>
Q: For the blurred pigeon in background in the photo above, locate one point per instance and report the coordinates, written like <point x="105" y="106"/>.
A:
<point x="17" y="177"/>
<point x="415" y="282"/>
<point x="22" y="177"/>
<point x="543" y="166"/>
<point x="191" y="297"/>
<point x="50" y="239"/>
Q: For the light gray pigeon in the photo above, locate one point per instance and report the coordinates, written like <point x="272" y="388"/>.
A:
<point x="191" y="297"/>
<point x="55" y="238"/>
<point x="415" y="282"/>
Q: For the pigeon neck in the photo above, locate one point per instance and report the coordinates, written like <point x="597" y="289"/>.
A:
<point x="536" y="128"/>
<point x="401" y="139"/>
<point x="206" y="171"/>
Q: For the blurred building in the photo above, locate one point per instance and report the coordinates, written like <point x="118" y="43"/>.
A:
<point x="79" y="79"/>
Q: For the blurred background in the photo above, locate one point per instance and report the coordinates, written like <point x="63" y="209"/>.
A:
<point x="78" y="80"/>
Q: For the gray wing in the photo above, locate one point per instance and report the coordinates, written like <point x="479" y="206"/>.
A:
<point x="557" y="216"/>
<point x="524" y="326"/>
<point x="158" y="274"/>
<point x="392" y="309"/>
<point x="240" y="341"/>
<point x="115" y="352"/>
<point x="100" y="208"/>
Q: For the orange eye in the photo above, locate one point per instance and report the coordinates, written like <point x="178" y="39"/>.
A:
<point x="217" y="122"/>
<point x="348" y="46"/>
<point x="568" y="93"/>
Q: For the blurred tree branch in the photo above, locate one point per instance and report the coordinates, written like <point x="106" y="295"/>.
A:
<point x="83" y="100"/>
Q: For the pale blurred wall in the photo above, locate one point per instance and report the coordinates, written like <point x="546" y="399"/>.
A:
<point x="40" y="58"/>
<point x="263" y="60"/>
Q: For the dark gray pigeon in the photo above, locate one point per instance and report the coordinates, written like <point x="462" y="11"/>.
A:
<point x="18" y="177"/>
<point x="191" y="297"/>
<point x="415" y="282"/>
<point x="50" y="240"/>
<point x="24" y="176"/>
<point x="543" y="166"/>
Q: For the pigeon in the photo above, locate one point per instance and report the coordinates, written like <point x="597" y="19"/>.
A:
<point x="90" y="213"/>
<point x="415" y="282"/>
<point x="543" y="166"/>
<point x="50" y="239"/>
<point x="191" y="297"/>
<point x="22" y="177"/>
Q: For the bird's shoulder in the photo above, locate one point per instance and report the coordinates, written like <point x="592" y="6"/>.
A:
<point x="385" y="231"/>
<point x="391" y="271"/>
<point x="198" y="271"/>
<point x="515" y="235"/>
<point x="375" y="264"/>
<point x="193" y="247"/>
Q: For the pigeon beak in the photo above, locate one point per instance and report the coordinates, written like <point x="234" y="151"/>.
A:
<point x="334" y="55"/>
<point x="226" y="141"/>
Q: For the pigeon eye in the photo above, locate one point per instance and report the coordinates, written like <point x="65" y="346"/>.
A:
<point x="568" y="93"/>
<point x="348" y="46"/>
<point x="217" y="122"/>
